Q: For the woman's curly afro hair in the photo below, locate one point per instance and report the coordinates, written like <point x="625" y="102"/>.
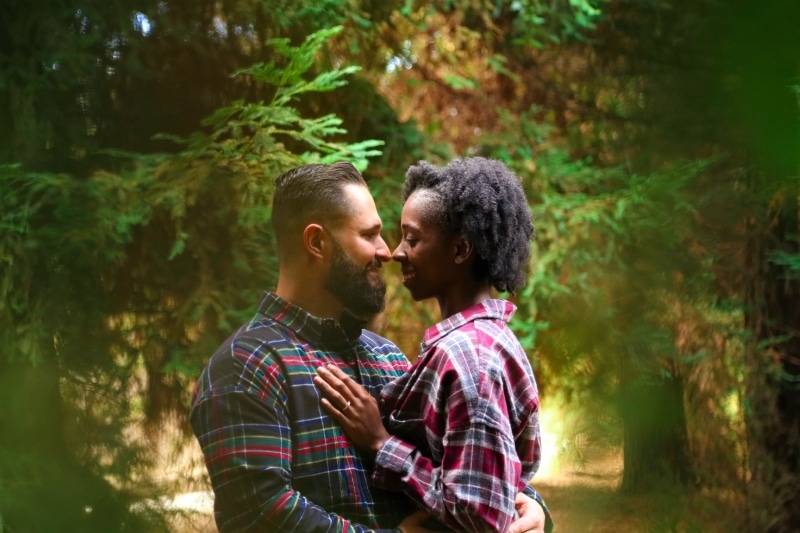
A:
<point x="484" y="201"/>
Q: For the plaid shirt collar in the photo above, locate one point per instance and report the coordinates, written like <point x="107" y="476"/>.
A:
<point x="323" y="332"/>
<point x="494" y="308"/>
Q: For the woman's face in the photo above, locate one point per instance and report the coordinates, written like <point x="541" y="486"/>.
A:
<point x="424" y="253"/>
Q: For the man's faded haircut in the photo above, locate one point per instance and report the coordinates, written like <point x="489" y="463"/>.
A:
<point x="311" y="194"/>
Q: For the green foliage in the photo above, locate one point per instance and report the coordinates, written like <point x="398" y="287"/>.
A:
<point x="250" y="137"/>
<point x="533" y="22"/>
<point x="614" y="284"/>
<point x="130" y="277"/>
<point x="660" y="163"/>
<point x="537" y="22"/>
<point x="789" y="260"/>
<point x="459" y="82"/>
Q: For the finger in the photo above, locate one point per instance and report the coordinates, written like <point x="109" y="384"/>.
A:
<point x="333" y="395"/>
<point x="326" y="372"/>
<point x="324" y="386"/>
<point x="344" y="379"/>
<point x="333" y="411"/>
<point x="344" y="385"/>
<point x="336" y="371"/>
<point x="332" y="382"/>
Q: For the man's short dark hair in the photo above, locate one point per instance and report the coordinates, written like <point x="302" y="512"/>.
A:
<point x="484" y="201"/>
<point x="311" y="193"/>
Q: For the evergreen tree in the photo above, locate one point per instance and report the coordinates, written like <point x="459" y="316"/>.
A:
<point x="127" y="278"/>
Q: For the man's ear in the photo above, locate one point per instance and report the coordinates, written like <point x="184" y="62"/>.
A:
<point x="464" y="250"/>
<point x="315" y="240"/>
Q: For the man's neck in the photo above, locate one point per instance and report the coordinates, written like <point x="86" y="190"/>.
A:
<point x="312" y="298"/>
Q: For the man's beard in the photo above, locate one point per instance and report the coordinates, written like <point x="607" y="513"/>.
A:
<point x="351" y="284"/>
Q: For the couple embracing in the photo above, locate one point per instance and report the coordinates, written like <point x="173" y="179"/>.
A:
<point x="309" y="422"/>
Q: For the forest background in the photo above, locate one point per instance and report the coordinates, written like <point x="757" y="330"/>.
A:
<point x="658" y="144"/>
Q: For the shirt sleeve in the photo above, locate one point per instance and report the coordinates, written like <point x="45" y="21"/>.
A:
<point x="474" y="487"/>
<point x="246" y="441"/>
<point x="548" y="519"/>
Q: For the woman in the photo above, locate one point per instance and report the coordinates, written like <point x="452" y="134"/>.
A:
<point x="463" y="432"/>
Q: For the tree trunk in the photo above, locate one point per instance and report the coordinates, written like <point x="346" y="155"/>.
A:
<point x="773" y="303"/>
<point x="45" y="488"/>
<point x="769" y="63"/>
<point x="655" y="442"/>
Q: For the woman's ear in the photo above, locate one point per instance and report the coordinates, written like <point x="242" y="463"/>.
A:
<point x="464" y="250"/>
<point x="315" y="240"/>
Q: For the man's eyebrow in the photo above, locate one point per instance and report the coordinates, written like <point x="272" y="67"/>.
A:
<point x="375" y="227"/>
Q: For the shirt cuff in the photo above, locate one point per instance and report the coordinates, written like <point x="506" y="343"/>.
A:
<point x="392" y="463"/>
<point x="548" y="520"/>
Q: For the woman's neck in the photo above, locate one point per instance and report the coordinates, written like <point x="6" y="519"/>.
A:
<point x="464" y="298"/>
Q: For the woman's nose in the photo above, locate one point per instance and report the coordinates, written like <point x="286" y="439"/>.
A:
<point x="399" y="253"/>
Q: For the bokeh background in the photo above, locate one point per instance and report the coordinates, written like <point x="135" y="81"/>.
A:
<point x="657" y="141"/>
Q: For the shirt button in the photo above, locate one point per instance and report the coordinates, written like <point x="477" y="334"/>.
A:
<point x="383" y="402"/>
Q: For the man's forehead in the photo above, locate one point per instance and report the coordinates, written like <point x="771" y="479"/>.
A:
<point x="362" y="213"/>
<point x="363" y="221"/>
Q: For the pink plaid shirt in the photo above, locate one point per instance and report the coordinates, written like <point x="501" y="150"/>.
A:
<point x="465" y="422"/>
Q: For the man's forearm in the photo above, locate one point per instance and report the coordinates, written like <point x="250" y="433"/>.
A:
<point x="249" y="460"/>
<point x="287" y="510"/>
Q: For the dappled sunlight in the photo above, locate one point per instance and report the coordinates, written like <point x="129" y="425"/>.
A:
<point x="657" y="146"/>
<point x="552" y="429"/>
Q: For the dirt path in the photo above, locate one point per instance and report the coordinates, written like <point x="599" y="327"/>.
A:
<point x="581" y="500"/>
<point x="586" y="500"/>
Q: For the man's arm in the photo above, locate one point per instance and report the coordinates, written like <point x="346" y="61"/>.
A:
<point x="247" y="447"/>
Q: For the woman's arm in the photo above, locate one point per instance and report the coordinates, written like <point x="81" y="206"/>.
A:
<point x="359" y="415"/>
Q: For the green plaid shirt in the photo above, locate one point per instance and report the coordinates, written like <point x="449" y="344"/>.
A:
<point x="277" y="462"/>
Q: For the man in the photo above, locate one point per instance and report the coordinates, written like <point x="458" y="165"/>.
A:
<point x="277" y="461"/>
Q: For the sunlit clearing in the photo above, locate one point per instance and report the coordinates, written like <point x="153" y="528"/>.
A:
<point x="551" y="422"/>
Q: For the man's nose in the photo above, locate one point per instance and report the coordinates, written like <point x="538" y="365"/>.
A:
<point x="382" y="251"/>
